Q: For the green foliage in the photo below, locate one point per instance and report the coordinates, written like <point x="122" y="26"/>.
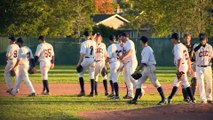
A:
<point x="105" y="31"/>
<point x="166" y="16"/>
<point x="52" y="18"/>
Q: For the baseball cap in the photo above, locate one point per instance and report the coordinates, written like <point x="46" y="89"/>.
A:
<point x="175" y="36"/>
<point x="202" y="36"/>
<point x="86" y="33"/>
<point x="111" y="37"/>
<point x="20" y="40"/>
<point x="144" y="39"/>
<point x="41" y="38"/>
<point x="124" y="34"/>
<point x="12" y="38"/>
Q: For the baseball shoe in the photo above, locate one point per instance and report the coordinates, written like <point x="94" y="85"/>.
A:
<point x="209" y="101"/>
<point x="127" y="97"/>
<point x="169" y="101"/>
<point x="132" y="102"/>
<point x="106" y="93"/>
<point x="162" y="102"/>
<point x="11" y="93"/>
<point x="45" y="93"/>
<point x="111" y="95"/>
<point x="81" y="94"/>
<point x="96" y="94"/>
<point x="203" y="102"/>
<point x="91" y="95"/>
<point x="186" y="100"/>
<point x="9" y="90"/>
<point x="32" y="95"/>
<point x="115" y="98"/>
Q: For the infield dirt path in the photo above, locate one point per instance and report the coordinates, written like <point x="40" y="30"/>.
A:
<point x="74" y="89"/>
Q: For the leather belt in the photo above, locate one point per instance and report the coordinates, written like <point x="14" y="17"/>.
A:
<point x="203" y="65"/>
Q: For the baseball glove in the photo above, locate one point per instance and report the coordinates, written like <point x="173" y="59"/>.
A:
<point x="136" y="75"/>
<point x="32" y="70"/>
<point x="104" y="71"/>
<point x="79" y="69"/>
<point x="12" y="73"/>
<point x="180" y="75"/>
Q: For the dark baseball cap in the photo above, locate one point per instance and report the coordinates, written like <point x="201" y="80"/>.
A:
<point x="86" y="33"/>
<point x="20" y="40"/>
<point x="202" y="36"/>
<point x="12" y="38"/>
<point x="111" y="37"/>
<point x="124" y="34"/>
<point x="175" y="36"/>
<point x="41" y="38"/>
<point x="144" y="39"/>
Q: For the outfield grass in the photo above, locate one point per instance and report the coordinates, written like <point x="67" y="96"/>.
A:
<point x="67" y="74"/>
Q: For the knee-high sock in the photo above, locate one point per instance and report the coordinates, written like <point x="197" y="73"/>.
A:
<point x="47" y="86"/>
<point x="193" y="85"/>
<point x="105" y="86"/>
<point x="96" y="87"/>
<point x="44" y="85"/>
<point x="160" y="91"/>
<point x="137" y="93"/>
<point x="112" y="86"/>
<point x="174" y="90"/>
<point x="92" y="82"/>
<point x="81" y="81"/>
<point x="116" y="89"/>
<point x="185" y="94"/>
<point x="189" y="91"/>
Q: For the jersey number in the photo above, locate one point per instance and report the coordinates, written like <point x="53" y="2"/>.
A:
<point x="15" y="54"/>
<point x="91" y="47"/>
<point x="47" y="53"/>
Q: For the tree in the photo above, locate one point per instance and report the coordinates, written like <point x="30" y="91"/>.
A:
<point x="104" y="6"/>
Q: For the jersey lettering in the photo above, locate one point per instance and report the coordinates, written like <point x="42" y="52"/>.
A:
<point x="91" y="47"/>
<point x="15" y="54"/>
<point x="203" y="53"/>
<point x="47" y="53"/>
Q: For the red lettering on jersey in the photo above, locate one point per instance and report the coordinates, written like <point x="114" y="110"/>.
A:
<point x="203" y="53"/>
<point x="99" y="50"/>
<point x="15" y="54"/>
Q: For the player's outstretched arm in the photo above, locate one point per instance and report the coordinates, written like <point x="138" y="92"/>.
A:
<point x="52" y="62"/>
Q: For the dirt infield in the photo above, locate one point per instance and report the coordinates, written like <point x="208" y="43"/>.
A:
<point x="73" y="89"/>
<point x="168" y="112"/>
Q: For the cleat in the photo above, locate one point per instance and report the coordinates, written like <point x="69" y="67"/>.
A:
<point x="115" y="98"/>
<point x="186" y="100"/>
<point x="162" y="102"/>
<point x="9" y="90"/>
<point x="111" y="95"/>
<point x="91" y="95"/>
<point x="81" y="94"/>
<point x="127" y="97"/>
<point x="106" y="93"/>
<point x="203" y="102"/>
<point x="209" y="101"/>
<point x="11" y="93"/>
<point x="96" y="94"/>
<point x="32" y="95"/>
<point x="132" y="102"/>
<point x="169" y="101"/>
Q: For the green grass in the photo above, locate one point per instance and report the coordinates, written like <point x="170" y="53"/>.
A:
<point x="67" y="74"/>
<point x="66" y="107"/>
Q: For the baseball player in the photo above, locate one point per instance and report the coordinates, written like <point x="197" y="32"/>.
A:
<point x="24" y="57"/>
<point x="148" y="63"/>
<point x="11" y="58"/>
<point x="100" y="57"/>
<point x="189" y="46"/>
<point x="130" y="63"/>
<point x="204" y="55"/>
<point x="87" y="61"/>
<point x="46" y="56"/>
<point x="114" y="51"/>
<point x="183" y="64"/>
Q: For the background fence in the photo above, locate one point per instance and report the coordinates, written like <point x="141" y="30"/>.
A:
<point x="67" y="50"/>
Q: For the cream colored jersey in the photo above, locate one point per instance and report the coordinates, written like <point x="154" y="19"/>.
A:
<point x="147" y="56"/>
<point x="88" y="48"/>
<point x="45" y="52"/>
<point x="203" y="55"/>
<point x="101" y="52"/>
<point x="12" y="51"/>
<point x="112" y="53"/>
<point x="24" y="55"/>
<point x="129" y="45"/>
<point x="180" y="52"/>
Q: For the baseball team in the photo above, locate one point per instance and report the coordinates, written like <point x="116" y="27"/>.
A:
<point x="120" y="57"/>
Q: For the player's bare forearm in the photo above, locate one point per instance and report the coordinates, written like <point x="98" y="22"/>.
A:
<point x="178" y="65"/>
<point x="80" y="59"/>
<point x="140" y="67"/>
<point x="127" y="54"/>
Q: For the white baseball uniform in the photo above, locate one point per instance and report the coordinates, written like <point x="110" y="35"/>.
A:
<point x="130" y="64"/>
<point x="100" y="56"/>
<point x="203" y="58"/>
<point x="181" y="52"/>
<point x="12" y="54"/>
<point x="45" y="53"/>
<point x="24" y="55"/>
<point x="149" y="69"/>
<point x="115" y="64"/>
<point x="88" y="48"/>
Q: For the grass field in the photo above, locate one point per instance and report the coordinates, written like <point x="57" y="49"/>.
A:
<point x="67" y="107"/>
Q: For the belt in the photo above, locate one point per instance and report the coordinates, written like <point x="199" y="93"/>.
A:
<point x="97" y="60"/>
<point x="203" y="65"/>
<point x="88" y="57"/>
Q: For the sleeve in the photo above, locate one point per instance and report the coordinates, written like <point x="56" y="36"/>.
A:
<point x="38" y="51"/>
<point x="31" y="54"/>
<point x="128" y="46"/>
<point x="109" y="52"/>
<point x="83" y="49"/>
<point x="8" y="54"/>
<point x="145" y="56"/>
<point x="178" y="54"/>
<point x="52" y="50"/>
<point x="20" y="53"/>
